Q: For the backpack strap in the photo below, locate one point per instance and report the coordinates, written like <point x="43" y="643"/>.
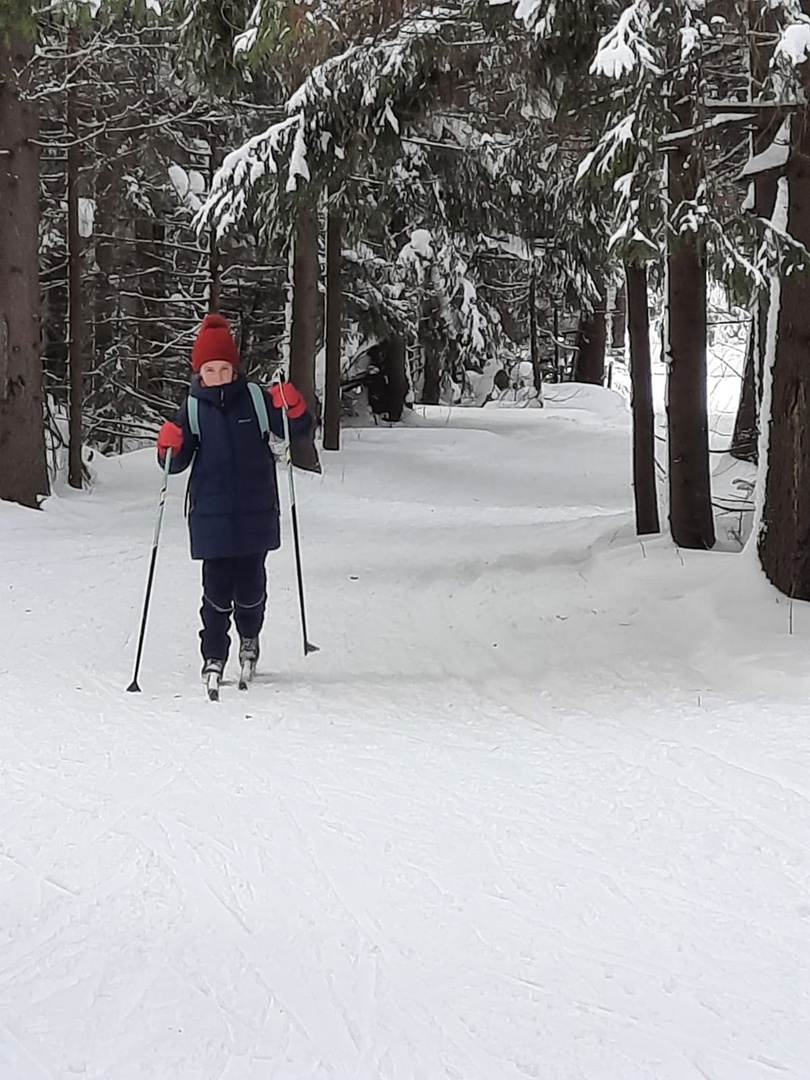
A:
<point x="260" y="407"/>
<point x="193" y="409"/>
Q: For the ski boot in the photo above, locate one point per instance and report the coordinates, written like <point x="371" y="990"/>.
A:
<point x="212" y="677"/>
<point x="248" y="658"/>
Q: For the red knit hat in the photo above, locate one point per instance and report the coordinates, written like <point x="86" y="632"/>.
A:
<point x="214" y="342"/>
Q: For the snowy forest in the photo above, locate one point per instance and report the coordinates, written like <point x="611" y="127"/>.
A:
<point x="414" y="199"/>
<point x="530" y="280"/>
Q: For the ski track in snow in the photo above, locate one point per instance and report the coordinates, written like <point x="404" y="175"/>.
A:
<point x="538" y="809"/>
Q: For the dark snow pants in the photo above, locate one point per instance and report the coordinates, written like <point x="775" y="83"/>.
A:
<point x="235" y="587"/>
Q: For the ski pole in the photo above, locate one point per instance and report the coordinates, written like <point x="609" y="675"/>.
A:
<point x="133" y="687"/>
<point x="308" y="646"/>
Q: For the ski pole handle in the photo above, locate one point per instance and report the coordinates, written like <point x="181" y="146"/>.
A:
<point x="285" y="421"/>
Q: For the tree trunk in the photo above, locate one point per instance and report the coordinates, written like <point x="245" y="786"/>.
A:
<point x="746" y="426"/>
<point x="23" y="468"/>
<point x="533" y="342"/>
<point x="383" y="13"/>
<point x="618" y="322"/>
<point x="431" y="349"/>
<point x="74" y="282"/>
<point x="397" y="377"/>
<point x="107" y="249"/>
<point x="784" y="545"/>
<point x="745" y="440"/>
<point x="690" y="506"/>
<point x="334" y="297"/>
<point x="690" y="509"/>
<point x="592" y="339"/>
<point x="304" y="328"/>
<point x="644" y="485"/>
<point x="214" y="265"/>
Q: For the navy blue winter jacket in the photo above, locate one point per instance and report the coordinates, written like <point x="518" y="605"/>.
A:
<point x="232" y="490"/>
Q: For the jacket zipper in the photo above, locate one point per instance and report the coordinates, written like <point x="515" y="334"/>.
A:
<point x="235" y="463"/>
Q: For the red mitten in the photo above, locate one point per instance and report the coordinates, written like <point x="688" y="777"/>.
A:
<point x="286" y="396"/>
<point x="170" y="437"/>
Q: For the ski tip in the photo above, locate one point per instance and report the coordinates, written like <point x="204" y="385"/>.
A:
<point x="133" y="688"/>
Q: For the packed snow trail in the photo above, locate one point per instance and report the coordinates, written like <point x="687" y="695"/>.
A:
<point x="539" y="808"/>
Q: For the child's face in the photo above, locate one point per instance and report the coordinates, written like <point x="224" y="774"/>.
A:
<point x="216" y="373"/>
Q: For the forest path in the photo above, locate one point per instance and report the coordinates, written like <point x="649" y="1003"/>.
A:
<point x="512" y="821"/>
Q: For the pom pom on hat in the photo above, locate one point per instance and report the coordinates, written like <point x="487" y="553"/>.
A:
<point x="214" y="342"/>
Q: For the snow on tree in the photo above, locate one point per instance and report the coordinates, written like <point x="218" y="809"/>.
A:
<point x="346" y="103"/>
<point x="358" y="107"/>
<point x="660" y="55"/>
<point x="782" y="520"/>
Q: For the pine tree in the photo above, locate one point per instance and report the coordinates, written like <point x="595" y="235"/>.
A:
<point x="23" y="471"/>
<point x="379" y="110"/>
<point x="146" y="137"/>
<point x="785" y="466"/>
<point x="663" y="57"/>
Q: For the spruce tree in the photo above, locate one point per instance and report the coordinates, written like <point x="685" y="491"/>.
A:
<point x="23" y="470"/>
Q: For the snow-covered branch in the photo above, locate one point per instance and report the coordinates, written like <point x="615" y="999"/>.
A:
<point x="349" y="100"/>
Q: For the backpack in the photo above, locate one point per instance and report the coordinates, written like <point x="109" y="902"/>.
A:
<point x="259" y="405"/>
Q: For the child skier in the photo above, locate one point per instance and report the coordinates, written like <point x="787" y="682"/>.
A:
<point x="233" y="504"/>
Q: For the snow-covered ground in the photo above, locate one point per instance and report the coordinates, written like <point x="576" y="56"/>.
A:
<point x="539" y="808"/>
